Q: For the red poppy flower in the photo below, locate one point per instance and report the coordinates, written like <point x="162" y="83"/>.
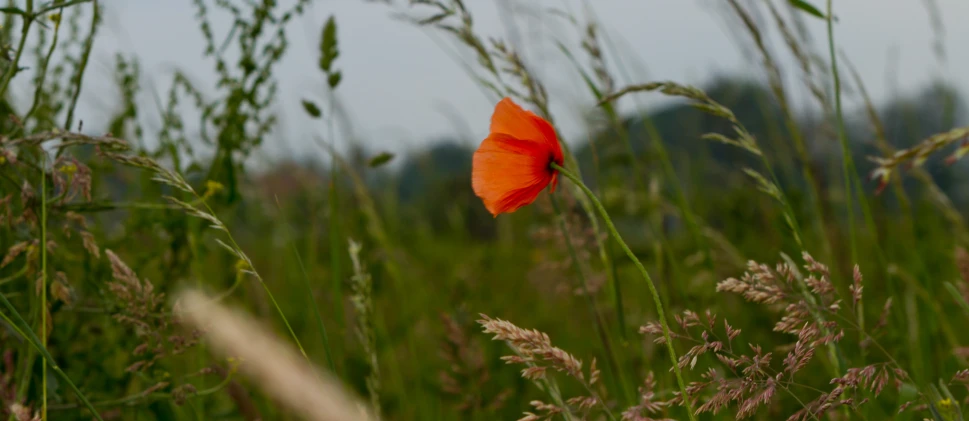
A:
<point x="513" y="164"/>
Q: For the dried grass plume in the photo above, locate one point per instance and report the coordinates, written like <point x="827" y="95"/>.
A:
<point x="274" y="366"/>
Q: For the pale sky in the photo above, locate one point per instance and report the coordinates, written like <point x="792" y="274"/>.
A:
<point x="403" y="87"/>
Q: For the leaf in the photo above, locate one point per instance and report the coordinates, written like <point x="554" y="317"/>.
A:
<point x="311" y="108"/>
<point x="807" y="7"/>
<point x="334" y="79"/>
<point x="13" y="10"/>
<point x="381" y="159"/>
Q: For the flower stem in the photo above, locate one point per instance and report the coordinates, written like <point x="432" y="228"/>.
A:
<point x="600" y="325"/>
<point x="649" y="282"/>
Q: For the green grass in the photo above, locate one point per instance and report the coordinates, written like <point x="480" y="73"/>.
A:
<point x="380" y="276"/>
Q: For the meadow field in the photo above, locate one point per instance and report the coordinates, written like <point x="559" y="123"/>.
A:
<point x="777" y="245"/>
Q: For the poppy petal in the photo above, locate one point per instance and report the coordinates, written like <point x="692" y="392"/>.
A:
<point x="508" y="173"/>
<point x="517" y="199"/>
<point x="511" y="119"/>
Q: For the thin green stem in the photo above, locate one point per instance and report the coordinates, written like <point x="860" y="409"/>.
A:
<point x="600" y="325"/>
<point x="790" y="122"/>
<point x="43" y="279"/>
<point x="43" y="73"/>
<point x="12" y="325"/>
<point x="142" y="397"/>
<point x="916" y="288"/>
<point x="957" y="296"/>
<point x="852" y="181"/>
<point x="604" y="253"/>
<point x="262" y="282"/>
<point x="316" y="311"/>
<point x="616" y="289"/>
<point x="85" y="57"/>
<point x="16" y="275"/>
<point x="175" y="178"/>
<point x="281" y="314"/>
<point x="192" y="240"/>
<point x="31" y="337"/>
<point x="335" y="236"/>
<point x="15" y="65"/>
<point x="661" y="314"/>
<point x="312" y="299"/>
<point x="109" y="206"/>
<point x="551" y="387"/>
<point x="847" y="162"/>
<point x="57" y="6"/>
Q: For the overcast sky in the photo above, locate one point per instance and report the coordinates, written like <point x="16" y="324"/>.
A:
<point x="404" y="87"/>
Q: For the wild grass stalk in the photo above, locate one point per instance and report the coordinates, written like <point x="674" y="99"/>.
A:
<point x="56" y="18"/>
<point x="593" y="44"/>
<point x="28" y="18"/>
<point x="851" y="180"/>
<point x="959" y="299"/>
<point x="604" y="251"/>
<point x="744" y="140"/>
<point x="362" y="299"/>
<point x="915" y="288"/>
<point x="311" y="297"/>
<point x="335" y="226"/>
<point x="81" y="68"/>
<point x="534" y="350"/>
<point x="935" y="194"/>
<point x="940" y="200"/>
<point x="741" y="138"/>
<point x="645" y="274"/>
<point x="196" y="268"/>
<point x="375" y="228"/>
<point x="583" y="285"/>
<point x="793" y="130"/>
<point x="39" y="346"/>
<point x="177" y="182"/>
<point x="43" y="280"/>
<point x="686" y="209"/>
<point x="274" y="367"/>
